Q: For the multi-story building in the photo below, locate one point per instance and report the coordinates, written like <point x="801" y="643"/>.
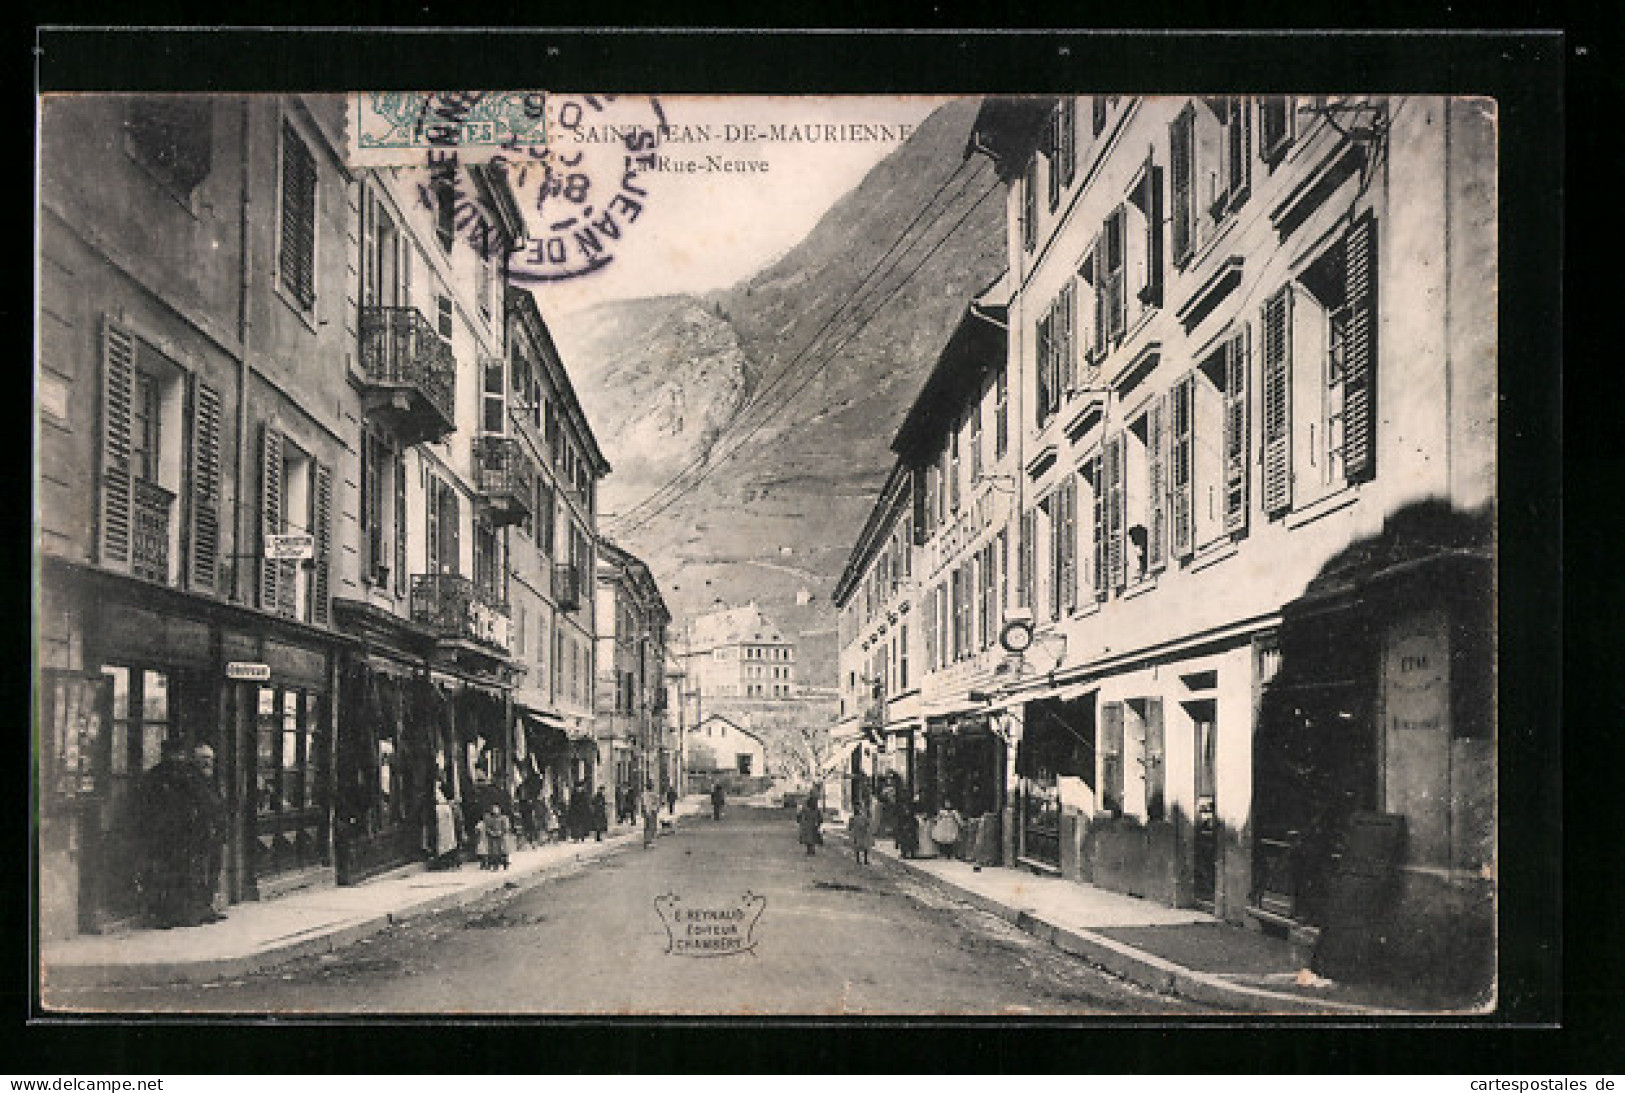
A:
<point x="195" y="305"/>
<point x="1252" y="343"/>
<point x="739" y="653"/>
<point x="631" y="659"/>
<point x="552" y="557"/>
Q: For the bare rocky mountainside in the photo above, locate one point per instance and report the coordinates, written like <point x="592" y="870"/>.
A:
<point x="788" y="481"/>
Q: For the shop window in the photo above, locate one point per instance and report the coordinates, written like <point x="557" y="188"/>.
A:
<point x="173" y="137"/>
<point x="296" y="256"/>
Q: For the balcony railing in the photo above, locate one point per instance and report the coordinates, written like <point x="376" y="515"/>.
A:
<point x="149" y="539"/>
<point x="505" y="478"/>
<point x="567" y="587"/>
<point x="410" y="373"/>
<point x="456" y="607"/>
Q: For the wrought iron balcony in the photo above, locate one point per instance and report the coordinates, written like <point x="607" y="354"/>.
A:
<point x="457" y="608"/>
<point x="505" y="478"/>
<point x="149" y="534"/>
<point x="567" y="587"/>
<point x="409" y="373"/>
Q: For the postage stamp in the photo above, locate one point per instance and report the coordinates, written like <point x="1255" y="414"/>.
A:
<point x="398" y="128"/>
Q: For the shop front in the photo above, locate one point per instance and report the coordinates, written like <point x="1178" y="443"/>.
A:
<point x="1055" y="762"/>
<point x="963" y="768"/>
<point x="154" y="664"/>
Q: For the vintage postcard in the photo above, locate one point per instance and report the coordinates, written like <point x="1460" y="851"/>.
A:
<point x="771" y="555"/>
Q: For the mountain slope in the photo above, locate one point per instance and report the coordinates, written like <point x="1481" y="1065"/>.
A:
<point x="789" y="483"/>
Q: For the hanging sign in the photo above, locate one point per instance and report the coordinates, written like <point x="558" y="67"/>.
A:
<point x="295" y="546"/>
<point x="244" y="669"/>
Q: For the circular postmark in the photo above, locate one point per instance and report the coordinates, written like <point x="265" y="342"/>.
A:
<point x="579" y="176"/>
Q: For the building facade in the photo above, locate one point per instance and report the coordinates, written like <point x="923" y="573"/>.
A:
<point x="631" y="657"/>
<point x="1250" y="474"/>
<point x="739" y="653"/>
<point x="720" y="752"/>
<point x="313" y="488"/>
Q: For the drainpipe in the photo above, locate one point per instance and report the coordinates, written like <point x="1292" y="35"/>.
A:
<point x="243" y="324"/>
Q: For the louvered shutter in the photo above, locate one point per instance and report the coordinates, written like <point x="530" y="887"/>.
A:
<point x="1182" y="499"/>
<point x="271" y="571"/>
<point x="1181" y="142"/>
<point x="1068" y="347"/>
<point x="1043" y="347"/>
<point x="1116" y="278"/>
<point x="1098" y="575"/>
<point x="204" y="566"/>
<point x="1097" y="267"/>
<point x="1069" y="140"/>
<point x="1024" y="559"/>
<point x="1360" y="356"/>
<point x="1111" y="756"/>
<point x="1156" y="485"/>
<point x="1114" y="512"/>
<point x="1277" y="457"/>
<point x="1235" y="431"/>
<point x="451" y="540"/>
<point x="297" y="260"/>
<point x="321" y="527"/>
<point x="1153" y="234"/>
<point x="400" y="524"/>
<point x="117" y="498"/>
<point x="432" y="525"/>
<point x="1069" y="543"/>
<point x="1155" y="759"/>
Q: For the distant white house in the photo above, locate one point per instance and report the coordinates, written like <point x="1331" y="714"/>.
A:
<point x="718" y="747"/>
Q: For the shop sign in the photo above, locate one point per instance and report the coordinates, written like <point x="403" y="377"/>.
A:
<point x="295" y="546"/>
<point x="1416" y="667"/>
<point x="244" y="669"/>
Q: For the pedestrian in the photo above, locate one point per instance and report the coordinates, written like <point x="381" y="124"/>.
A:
<point x="671" y="800"/>
<point x="206" y="840"/>
<point x="859" y="831"/>
<point x="548" y="816"/>
<point x="580" y="814"/>
<point x="600" y="815"/>
<point x="718" y="797"/>
<point x="945" y="829"/>
<point x="808" y="822"/>
<point x="163" y="815"/>
<point x="908" y="828"/>
<point x="495" y="828"/>
<point x="651" y="814"/>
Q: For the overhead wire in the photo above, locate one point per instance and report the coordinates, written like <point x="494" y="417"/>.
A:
<point x="646" y="518"/>
<point x="853" y="301"/>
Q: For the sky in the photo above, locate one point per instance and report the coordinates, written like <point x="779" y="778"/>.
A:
<point x="724" y="202"/>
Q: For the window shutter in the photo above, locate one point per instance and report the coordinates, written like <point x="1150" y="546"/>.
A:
<point x="1024" y="559"/>
<point x="1114" y="512"/>
<point x="1181" y="143"/>
<point x="1182" y="491"/>
<point x="271" y="595"/>
<point x="1360" y="357"/>
<point x="1235" y="431"/>
<point x="452" y="539"/>
<point x="400" y="524"/>
<point x="1097" y="268"/>
<point x="1153" y="234"/>
<point x="321" y="526"/>
<point x="1156" y="484"/>
<point x="1069" y="543"/>
<point x="432" y="525"/>
<point x="1069" y="356"/>
<point x="117" y="499"/>
<point x="1111" y="756"/>
<point x="1069" y="139"/>
<point x="1053" y="154"/>
<point x="1029" y="205"/>
<point x="1043" y="347"/>
<point x="205" y="536"/>
<point x="298" y="217"/>
<point x="1099" y="573"/>
<point x="1277" y="457"/>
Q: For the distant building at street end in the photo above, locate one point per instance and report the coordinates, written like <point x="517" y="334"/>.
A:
<point x="720" y="751"/>
<point x="631" y="660"/>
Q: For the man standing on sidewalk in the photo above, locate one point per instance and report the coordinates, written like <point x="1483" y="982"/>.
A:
<point x="651" y="814"/>
<point x="717" y="799"/>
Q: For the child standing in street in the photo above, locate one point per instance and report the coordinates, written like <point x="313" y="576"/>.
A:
<point x="858" y="829"/>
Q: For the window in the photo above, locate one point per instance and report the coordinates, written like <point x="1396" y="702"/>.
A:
<point x="1210" y="155"/>
<point x="173" y="135"/>
<point x="1208" y="462"/>
<point x="1098" y="106"/>
<point x="545" y="508"/>
<point x="1319" y="363"/>
<point x="384" y="259"/>
<point x="1182" y="163"/>
<point x="902" y="659"/>
<point x="485" y="270"/>
<point x="296" y="496"/>
<point x="1111" y="514"/>
<point x="493" y="416"/>
<point x="1276" y="127"/>
<point x="1143" y="239"/>
<point x="1061" y="149"/>
<point x="1111" y="758"/>
<point x="1090" y="503"/>
<point x="976" y="439"/>
<point x="442" y="307"/>
<point x="297" y="254"/>
<point x="444" y="550"/>
<point x="1029" y="205"/>
<point x="1056" y="360"/>
<point x="1065" y="548"/>
<point x="1025" y="556"/>
<point x="445" y="205"/>
<point x="953" y="467"/>
<point x="989" y="615"/>
<point x="1001" y="411"/>
<point x="374" y="460"/>
<point x="490" y="575"/>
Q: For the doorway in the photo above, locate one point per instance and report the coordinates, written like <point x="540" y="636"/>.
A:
<point x="1204" y="721"/>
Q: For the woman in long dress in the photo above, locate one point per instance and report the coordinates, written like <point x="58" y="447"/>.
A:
<point x="808" y="822"/>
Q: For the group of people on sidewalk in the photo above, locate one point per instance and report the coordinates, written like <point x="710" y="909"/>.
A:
<point x="182" y="820"/>
<point x="540" y="822"/>
<point x="944" y="831"/>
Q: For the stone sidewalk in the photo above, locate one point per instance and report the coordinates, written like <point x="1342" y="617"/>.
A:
<point x="259" y="935"/>
<point x="1170" y="950"/>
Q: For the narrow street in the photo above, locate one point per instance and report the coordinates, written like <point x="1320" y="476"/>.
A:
<point x="833" y="938"/>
